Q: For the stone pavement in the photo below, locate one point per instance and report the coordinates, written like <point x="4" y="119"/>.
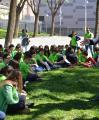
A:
<point x="44" y="40"/>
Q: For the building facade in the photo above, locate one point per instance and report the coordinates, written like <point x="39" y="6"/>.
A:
<point x="26" y="17"/>
<point x="71" y="16"/>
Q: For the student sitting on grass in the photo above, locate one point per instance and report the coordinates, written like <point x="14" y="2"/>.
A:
<point x="33" y="62"/>
<point x="27" y="73"/>
<point x="16" y="60"/>
<point x="17" y="49"/>
<point x="46" y="51"/>
<point x="8" y="92"/>
<point x="5" y="74"/>
<point x="84" y="60"/>
<point x="71" y="56"/>
<point x="96" y="53"/>
<point x="43" y="61"/>
<point x="58" y="59"/>
<point x="11" y="50"/>
<point x="5" y="60"/>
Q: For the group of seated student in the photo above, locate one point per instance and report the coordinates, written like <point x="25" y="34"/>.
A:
<point x="16" y="68"/>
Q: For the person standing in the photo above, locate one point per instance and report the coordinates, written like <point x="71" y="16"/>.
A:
<point x="74" y="39"/>
<point x="89" y="35"/>
<point x="25" y="39"/>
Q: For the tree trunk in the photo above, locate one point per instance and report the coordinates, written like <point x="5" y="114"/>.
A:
<point x="16" y="30"/>
<point x="11" y="23"/>
<point x="52" y="25"/>
<point x="36" y="25"/>
<point x="97" y="20"/>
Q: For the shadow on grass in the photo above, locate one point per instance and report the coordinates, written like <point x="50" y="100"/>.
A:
<point x="65" y="106"/>
<point x="44" y="96"/>
<point x="94" y="118"/>
<point x="69" y="83"/>
<point x="66" y="81"/>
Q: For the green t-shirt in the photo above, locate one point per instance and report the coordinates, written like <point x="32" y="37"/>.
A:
<point x="24" y="68"/>
<point x="53" y="57"/>
<point x="73" y="41"/>
<point x="2" y="77"/>
<point x="95" y="55"/>
<point x="2" y="65"/>
<point x="81" y="57"/>
<point x="40" y="57"/>
<point x="88" y="35"/>
<point x="8" y="95"/>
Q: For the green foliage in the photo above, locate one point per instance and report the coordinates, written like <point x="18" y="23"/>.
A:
<point x="64" y="94"/>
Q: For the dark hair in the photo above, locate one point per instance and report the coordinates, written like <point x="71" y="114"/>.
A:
<point x="14" y="75"/>
<point x="32" y="50"/>
<point x="18" y="46"/>
<point x="27" y="55"/>
<point x="46" y="51"/>
<point x="1" y="46"/>
<point x="6" y="70"/>
<point x="17" y="56"/>
<point x="85" y="53"/>
<point x="7" y="50"/>
<point x="6" y="55"/>
<point x="11" y="45"/>
<point x="1" y="55"/>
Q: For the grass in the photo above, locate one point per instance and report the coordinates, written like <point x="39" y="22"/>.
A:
<point x="3" y="34"/>
<point x="64" y="95"/>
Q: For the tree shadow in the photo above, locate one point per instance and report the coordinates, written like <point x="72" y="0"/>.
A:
<point x="68" y="81"/>
<point x="66" y="106"/>
<point x="81" y="118"/>
<point x="44" y="96"/>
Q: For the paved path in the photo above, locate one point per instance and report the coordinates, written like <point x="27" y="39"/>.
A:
<point x="44" y="40"/>
<point x="57" y="40"/>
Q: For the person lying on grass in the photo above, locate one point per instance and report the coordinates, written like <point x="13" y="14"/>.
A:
<point x="84" y="60"/>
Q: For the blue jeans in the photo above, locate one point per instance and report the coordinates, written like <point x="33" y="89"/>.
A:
<point x="38" y="69"/>
<point x="2" y="115"/>
<point x="90" y="47"/>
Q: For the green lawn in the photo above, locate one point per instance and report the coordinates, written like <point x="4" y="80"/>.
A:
<point x="64" y="95"/>
<point x="3" y="34"/>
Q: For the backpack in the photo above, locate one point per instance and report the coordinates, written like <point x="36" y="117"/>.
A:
<point x="25" y="41"/>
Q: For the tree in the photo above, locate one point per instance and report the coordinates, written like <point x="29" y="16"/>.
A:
<point x="35" y="7"/>
<point x="54" y="6"/>
<point x="18" y="12"/>
<point x="97" y="20"/>
<point x="11" y="22"/>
